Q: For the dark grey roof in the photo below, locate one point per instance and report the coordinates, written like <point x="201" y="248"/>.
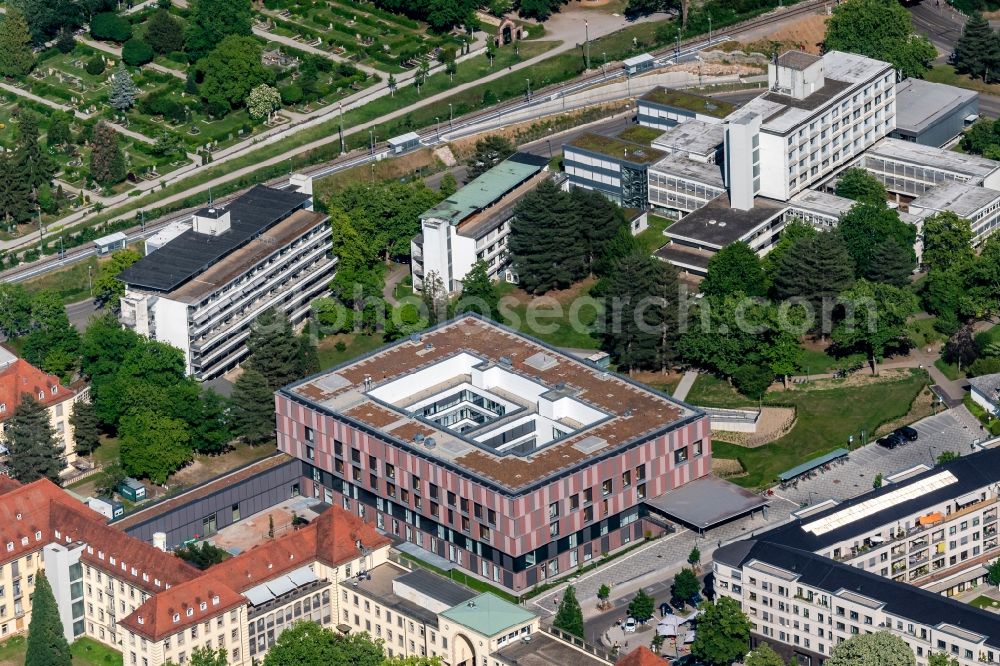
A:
<point x="797" y="59"/>
<point x="718" y="224"/>
<point x="707" y="501"/>
<point x="436" y="587"/>
<point x="988" y="385"/>
<point x="192" y="253"/>
<point x="973" y="471"/>
<point x="900" y="599"/>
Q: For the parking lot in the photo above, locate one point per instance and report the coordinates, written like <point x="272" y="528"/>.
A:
<point x="952" y="430"/>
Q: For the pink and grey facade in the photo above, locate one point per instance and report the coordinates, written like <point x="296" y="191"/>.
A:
<point x="514" y="517"/>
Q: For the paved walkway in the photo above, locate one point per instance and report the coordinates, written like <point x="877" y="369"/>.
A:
<point x="397" y="273"/>
<point x="687" y="381"/>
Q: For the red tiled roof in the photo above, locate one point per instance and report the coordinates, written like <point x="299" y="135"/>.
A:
<point x="642" y="656"/>
<point x="21" y="377"/>
<point x="331" y="538"/>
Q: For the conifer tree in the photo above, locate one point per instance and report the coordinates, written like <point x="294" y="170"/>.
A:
<point x="31" y="441"/>
<point x="547" y="250"/>
<point x="816" y="268"/>
<point x="107" y="164"/>
<point x="569" y="617"/>
<point x="164" y="33"/>
<point x="977" y="51"/>
<point x="123" y="90"/>
<point x="16" y="57"/>
<point x="35" y="166"/>
<point x="86" y="431"/>
<point x="479" y="294"/>
<point x="891" y="263"/>
<point x="598" y="221"/>
<point x="47" y="644"/>
<point x="274" y="349"/>
<point x="641" y="312"/>
<point x="15" y="195"/>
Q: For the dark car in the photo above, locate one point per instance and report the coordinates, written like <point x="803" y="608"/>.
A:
<point x="907" y="433"/>
<point x="695" y="600"/>
<point x="891" y="441"/>
<point x="687" y="660"/>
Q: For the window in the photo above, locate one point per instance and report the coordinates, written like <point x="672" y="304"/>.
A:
<point x="640" y="473"/>
<point x="310" y="435"/>
<point x="588" y="496"/>
<point x="553" y="510"/>
<point x="574" y="502"/>
<point x="607" y="487"/>
<point x="390" y="471"/>
<point x="415" y="483"/>
<point x="697" y="448"/>
<point x="310" y="453"/>
<point x="680" y="455"/>
<point x="626" y="478"/>
<point x="554" y="529"/>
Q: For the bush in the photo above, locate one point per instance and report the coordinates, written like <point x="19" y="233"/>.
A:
<point x="161" y="105"/>
<point x="984" y="366"/>
<point x="95" y="66"/>
<point x="291" y="94"/>
<point x="753" y="380"/>
<point x="137" y="53"/>
<point x="110" y="26"/>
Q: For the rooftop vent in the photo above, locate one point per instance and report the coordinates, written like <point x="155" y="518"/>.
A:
<point x="505" y="360"/>
<point x="722" y="224"/>
<point x="712" y="222"/>
<point x="414" y="338"/>
<point x="430" y="442"/>
<point x="428" y="346"/>
<point x="418" y="437"/>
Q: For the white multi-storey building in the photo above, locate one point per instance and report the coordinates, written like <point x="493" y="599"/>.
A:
<point x="886" y="560"/>
<point x="201" y="291"/>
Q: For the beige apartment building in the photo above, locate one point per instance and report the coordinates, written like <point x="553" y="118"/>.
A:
<point x="887" y="560"/>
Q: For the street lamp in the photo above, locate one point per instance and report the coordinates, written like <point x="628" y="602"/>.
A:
<point x="529" y="89"/>
<point x="342" y="148"/>
<point x="709" y="30"/>
<point x="586" y="42"/>
<point x="678" y="41"/>
<point x="604" y="64"/>
<point x="371" y="140"/>
<point x="451" y="114"/>
<point x="438" y="121"/>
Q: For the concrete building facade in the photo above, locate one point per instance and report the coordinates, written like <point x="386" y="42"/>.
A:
<point x="933" y="114"/>
<point x="616" y="168"/>
<point x="201" y="291"/>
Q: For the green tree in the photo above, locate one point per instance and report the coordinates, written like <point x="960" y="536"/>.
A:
<point x="546" y="248"/>
<point x="16" y="56"/>
<point x="382" y="217"/>
<point x="977" y="51"/>
<point x="274" y="349"/>
<point x="947" y="241"/>
<point x="35" y="165"/>
<point x="60" y="131"/>
<point x="211" y="21"/>
<point x="448" y="185"/>
<point x="880" y="29"/>
<point x="815" y="268"/>
<point x="569" y="617"/>
<point x="109" y="478"/>
<point x="107" y="164"/>
<point x="15" y="310"/>
<point x="262" y="101"/>
<point x="201" y="555"/>
<point x="621" y="245"/>
<point x="164" y="33"/>
<point x="794" y="230"/>
<point x="694" y="557"/>
<point x="941" y="659"/>
<point x="47" y="644"/>
<point x="723" y="634"/>
<point x="230" y="72"/>
<point x="34" y="451"/>
<point x="946" y="456"/>
<point x="685" y="585"/>
<point x="66" y="42"/>
<point x="108" y="289"/>
<point x="858" y="184"/>
<point x="86" y="428"/>
<point x="15" y="193"/>
<point x="866" y="227"/>
<point x="993" y="572"/>
<point x="309" y="644"/>
<point x="892" y="263"/>
<point x="51" y="333"/>
<point x="479" y="294"/>
<point x="111" y="27"/>
<point x="763" y="655"/>
<point x="603" y="592"/>
<point x="961" y="348"/>
<point x="246" y="417"/>
<point x="136" y="52"/>
<point x="878" y="649"/>
<point x="641" y="312"/>
<point x="412" y="661"/>
<point x="598" y="222"/>
<point x="735" y="269"/>
<point x="489" y="152"/>
<point x="753" y="380"/>
<point x="152" y="445"/>
<point x="876" y="319"/>
<point x="642" y="606"/>
<point x="207" y="419"/>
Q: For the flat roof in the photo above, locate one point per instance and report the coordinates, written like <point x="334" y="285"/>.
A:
<point x="436" y="587"/>
<point x="681" y="99"/>
<point x="404" y="138"/>
<point x="237" y="263"/>
<point x="823" y="203"/>
<point x="842" y="72"/>
<point x="920" y="104"/>
<point x="621" y="412"/>
<point x="192" y="253"/>
<point x="379" y="589"/>
<point x="718" y="224"/>
<point x="488" y="614"/>
<point x="964" y="199"/>
<point x="929" y="156"/>
<point x="707" y="501"/>
<point x="681" y="254"/>
<point x="693" y="136"/>
<point x="618" y="149"/>
<point x="681" y="166"/>
<point x="797" y="59"/>
<point x="544" y="650"/>
<point x="502" y="210"/>
<point x="110" y="239"/>
<point x="487" y="188"/>
<point x="898" y="599"/>
<point x="638" y="59"/>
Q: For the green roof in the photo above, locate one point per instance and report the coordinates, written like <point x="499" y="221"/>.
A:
<point x="618" y="149"/>
<point x="640" y="134"/>
<point x="679" y="99"/>
<point x="486" y="189"/>
<point x="488" y="614"/>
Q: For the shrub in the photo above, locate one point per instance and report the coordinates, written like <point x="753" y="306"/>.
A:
<point x="110" y="26"/>
<point x="984" y="366"/>
<point x="95" y="66"/>
<point x="161" y="105"/>
<point x="291" y="94"/>
<point x="753" y="380"/>
<point x="136" y="52"/>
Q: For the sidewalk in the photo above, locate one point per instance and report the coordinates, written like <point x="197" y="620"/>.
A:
<point x="684" y="387"/>
<point x="117" y="52"/>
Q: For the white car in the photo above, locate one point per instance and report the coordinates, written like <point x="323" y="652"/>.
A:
<point x="630" y="625"/>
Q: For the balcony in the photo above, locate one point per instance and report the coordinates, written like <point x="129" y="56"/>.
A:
<point x="919" y="559"/>
<point x="917" y="544"/>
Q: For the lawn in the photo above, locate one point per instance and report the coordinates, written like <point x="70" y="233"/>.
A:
<point x="988" y="336"/>
<point x="640" y="134"/>
<point x="354" y="346"/>
<point x="72" y="284"/>
<point x="653" y="237"/>
<point x="950" y="370"/>
<point x="462" y="578"/>
<point x="822" y="425"/>
<point x="922" y="331"/>
<point x="983" y="601"/>
<point x="562" y="319"/>
<point x="947" y="74"/>
<point x="816" y="361"/>
<point x="85" y="651"/>
<point x="711" y="391"/>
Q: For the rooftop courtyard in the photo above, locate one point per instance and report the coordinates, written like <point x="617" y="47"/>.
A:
<point x="493" y="402"/>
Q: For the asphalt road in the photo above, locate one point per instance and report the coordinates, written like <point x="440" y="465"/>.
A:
<point x="939" y="23"/>
<point x="80" y="313"/>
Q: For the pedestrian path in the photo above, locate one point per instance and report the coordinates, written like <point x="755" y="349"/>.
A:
<point x="687" y="381"/>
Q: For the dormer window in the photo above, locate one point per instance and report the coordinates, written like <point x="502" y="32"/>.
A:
<point x="38" y="536"/>
<point x="215" y="600"/>
<point x="203" y="606"/>
<point x="177" y="617"/>
<point x="58" y="535"/>
<point x="24" y="541"/>
<point x="41" y="395"/>
<point x="142" y="620"/>
<point x="156" y="581"/>
<point x="3" y="407"/>
<point x="55" y="389"/>
<point x="190" y="612"/>
<point x="113" y="560"/>
<point x="10" y="546"/>
<point x="145" y="577"/>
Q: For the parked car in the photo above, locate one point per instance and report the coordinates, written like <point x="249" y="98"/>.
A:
<point x="687" y="660"/>
<point x="907" y="433"/>
<point x="695" y="600"/>
<point x="630" y="625"/>
<point x="890" y="441"/>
